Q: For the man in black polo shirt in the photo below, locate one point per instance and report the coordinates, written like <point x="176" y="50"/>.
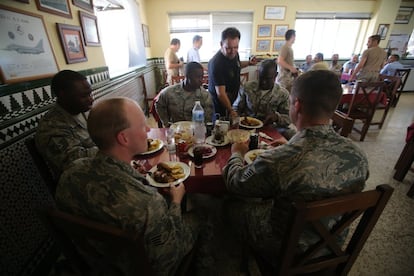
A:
<point x="224" y="73"/>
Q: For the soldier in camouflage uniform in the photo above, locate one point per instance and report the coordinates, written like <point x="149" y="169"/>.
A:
<point x="175" y="103"/>
<point x="285" y="60"/>
<point x="266" y="100"/>
<point x="61" y="135"/>
<point x="107" y="189"/>
<point x="316" y="163"/>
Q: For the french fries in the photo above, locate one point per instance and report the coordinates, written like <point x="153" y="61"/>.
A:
<point x="168" y="173"/>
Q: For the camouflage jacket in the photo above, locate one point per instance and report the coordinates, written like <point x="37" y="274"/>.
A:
<point x="257" y="103"/>
<point x="175" y="104"/>
<point x="316" y="163"/>
<point x="110" y="191"/>
<point x="61" y="138"/>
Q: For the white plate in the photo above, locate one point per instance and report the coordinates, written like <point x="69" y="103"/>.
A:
<point x="184" y="124"/>
<point x="213" y="151"/>
<point x="259" y="123"/>
<point x="209" y="140"/>
<point x="154" y="183"/>
<point x="249" y="154"/>
<point x="160" y="145"/>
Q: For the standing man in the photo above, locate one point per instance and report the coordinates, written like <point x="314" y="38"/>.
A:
<point x="392" y="65"/>
<point x="193" y="54"/>
<point x="224" y="73"/>
<point x="287" y="69"/>
<point x="371" y="61"/>
<point x="172" y="63"/>
<point x="175" y="102"/>
<point x="62" y="135"/>
<point x="316" y="163"/>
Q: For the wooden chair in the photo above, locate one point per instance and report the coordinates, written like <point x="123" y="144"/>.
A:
<point x="367" y="206"/>
<point x="342" y="123"/>
<point x="244" y="77"/>
<point x="363" y="104"/>
<point x="177" y="79"/>
<point x="406" y="159"/>
<point x="41" y="165"/>
<point x="72" y="232"/>
<point x="390" y="89"/>
<point x="403" y="74"/>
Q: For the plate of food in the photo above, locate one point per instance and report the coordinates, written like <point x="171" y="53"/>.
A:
<point x="154" y="145"/>
<point x="250" y="122"/>
<point x="211" y="141"/>
<point x="251" y="155"/>
<point x="207" y="150"/>
<point x="238" y="135"/>
<point x="166" y="174"/>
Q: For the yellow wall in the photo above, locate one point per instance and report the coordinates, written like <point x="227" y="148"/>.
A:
<point x="94" y="54"/>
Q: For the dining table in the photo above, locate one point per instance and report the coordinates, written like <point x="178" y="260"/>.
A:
<point x="208" y="179"/>
<point x="348" y="91"/>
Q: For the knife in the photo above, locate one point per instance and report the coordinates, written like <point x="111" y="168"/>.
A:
<point x="264" y="135"/>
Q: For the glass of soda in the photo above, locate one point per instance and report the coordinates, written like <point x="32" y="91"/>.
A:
<point x="198" y="156"/>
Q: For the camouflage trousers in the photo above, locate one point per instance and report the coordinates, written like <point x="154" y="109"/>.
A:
<point x="285" y="80"/>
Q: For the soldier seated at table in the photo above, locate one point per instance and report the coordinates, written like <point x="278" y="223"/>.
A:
<point x="105" y="188"/>
<point x="175" y="103"/>
<point x="266" y="100"/>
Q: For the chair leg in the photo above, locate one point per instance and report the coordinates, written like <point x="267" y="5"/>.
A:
<point x="364" y="130"/>
<point x="411" y="191"/>
<point x="383" y="116"/>
<point x="404" y="162"/>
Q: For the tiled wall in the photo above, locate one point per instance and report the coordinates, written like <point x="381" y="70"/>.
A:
<point x="24" y="243"/>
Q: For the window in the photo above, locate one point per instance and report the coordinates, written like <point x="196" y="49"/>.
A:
<point x="122" y="43"/>
<point x="328" y="33"/>
<point x="209" y="26"/>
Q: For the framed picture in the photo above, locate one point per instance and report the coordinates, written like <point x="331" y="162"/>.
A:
<point x="145" y="33"/>
<point x="23" y="1"/>
<point x="274" y="12"/>
<point x="264" y="30"/>
<point x="90" y="29"/>
<point x="72" y="43"/>
<point x="84" y="4"/>
<point x="383" y="30"/>
<point x="280" y="30"/>
<point x="277" y="44"/>
<point x="25" y="49"/>
<point x="404" y="15"/>
<point x="58" y="7"/>
<point x="263" y="45"/>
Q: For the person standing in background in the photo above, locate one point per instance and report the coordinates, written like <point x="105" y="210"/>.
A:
<point x="224" y="73"/>
<point x="193" y="54"/>
<point x="287" y="69"/>
<point x="371" y="61"/>
<point x="172" y="63"/>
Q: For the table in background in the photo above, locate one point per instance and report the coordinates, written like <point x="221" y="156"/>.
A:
<point x="348" y="92"/>
<point x="208" y="179"/>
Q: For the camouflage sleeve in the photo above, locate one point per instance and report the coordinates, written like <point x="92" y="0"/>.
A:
<point x="161" y="106"/>
<point x="239" y="104"/>
<point x="281" y="106"/>
<point x="250" y="180"/>
<point x="208" y="107"/>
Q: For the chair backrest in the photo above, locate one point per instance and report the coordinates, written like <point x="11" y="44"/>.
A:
<point x="72" y="232"/>
<point x="365" y="98"/>
<point x="41" y="165"/>
<point x="403" y="74"/>
<point x="391" y="85"/>
<point x="367" y="206"/>
<point x="177" y="79"/>
<point x="342" y="123"/>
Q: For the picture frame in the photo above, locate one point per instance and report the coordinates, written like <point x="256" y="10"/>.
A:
<point x="25" y="49"/>
<point x="263" y="45"/>
<point x="404" y="15"/>
<point x="84" y="4"/>
<point x="277" y="44"/>
<point x="90" y="30"/>
<point x="23" y="1"/>
<point x="264" y="30"/>
<point x="274" y="12"/>
<point x="383" y="30"/>
<point x="71" y="38"/>
<point x="280" y="30"/>
<point x="57" y="7"/>
<point x="145" y="34"/>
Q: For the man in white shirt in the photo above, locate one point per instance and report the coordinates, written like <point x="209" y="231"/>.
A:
<point x="193" y="54"/>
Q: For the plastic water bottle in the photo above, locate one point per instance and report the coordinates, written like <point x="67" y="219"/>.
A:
<point x="198" y="122"/>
